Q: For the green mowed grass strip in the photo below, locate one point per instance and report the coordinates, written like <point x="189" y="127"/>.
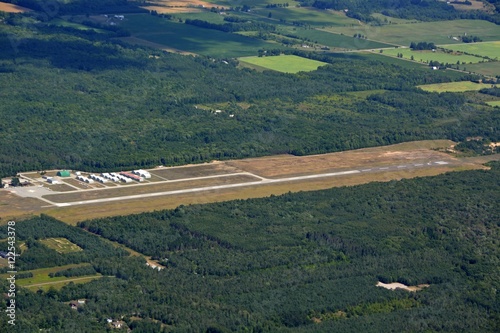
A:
<point x="392" y="20"/>
<point x="428" y="55"/>
<point x="436" y="32"/>
<point x="335" y="40"/>
<point x="285" y="63"/>
<point x="41" y="275"/>
<point x="454" y="86"/>
<point x="59" y="284"/>
<point x="193" y="39"/>
<point x="494" y="103"/>
<point x="61" y="245"/>
<point x="486" y="49"/>
<point x="63" y="23"/>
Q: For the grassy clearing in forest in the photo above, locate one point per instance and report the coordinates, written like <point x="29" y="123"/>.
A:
<point x="428" y="55"/>
<point x="190" y="38"/>
<point x="454" y="86"/>
<point x="438" y="32"/>
<point x="61" y="245"/>
<point x="285" y="63"/>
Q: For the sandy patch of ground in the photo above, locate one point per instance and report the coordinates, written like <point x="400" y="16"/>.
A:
<point x="397" y="285"/>
<point x="10" y="8"/>
<point x="287" y="165"/>
<point x="12" y="205"/>
<point x="183" y="3"/>
<point x="172" y="10"/>
<point x="476" y="5"/>
<point x="180" y="6"/>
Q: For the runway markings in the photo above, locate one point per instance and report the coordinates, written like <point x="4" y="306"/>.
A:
<point x="260" y="181"/>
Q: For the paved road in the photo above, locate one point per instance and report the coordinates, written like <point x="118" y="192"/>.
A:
<point x="263" y="181"/>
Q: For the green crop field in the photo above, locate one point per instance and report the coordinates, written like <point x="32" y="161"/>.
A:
<point x="454" y="86"/>
<point x="285" y="63"/>
<point x="392" y="20"/>
<point x="205" y="16"/>
<point x="334" y="40"/>
<point x="487" y="49"/>
<point x="63" y="23"/>
<point x="491" y="68"/>
<point x="494" y="103"/>
<point x="426" y="56"/>
<point x="308" y="15"/>
<point x="61" y="245"/>
<point x="436" y="32"/>
<point x="192" y="39"/>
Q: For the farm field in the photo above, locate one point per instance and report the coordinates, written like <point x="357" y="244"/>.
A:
<point x="334" y="40"/>
<point x="61" y="245"/>
<point x="494" y="103"/>
<point x="176" y="6"/>
<point x="392" y="20"/>
<point x="11" y="8"/>
<point x="427" y="56"/>
<point x="474" y="5"/>
<point x="308" y="16"/>
<point x="285" y="63"/>
<point x="485" y="49"/>
<point x="435" y="32"/>
<point x="193" y="39"/>
<point x="491" y="68"/>
<point x="203" y="15"/>
<point x="454" y="86"/>
<point x="251" y="3"/>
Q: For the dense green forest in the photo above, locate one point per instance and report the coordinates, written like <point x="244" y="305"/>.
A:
<point x="100" y="104"/>
<point x="303" y="262"/>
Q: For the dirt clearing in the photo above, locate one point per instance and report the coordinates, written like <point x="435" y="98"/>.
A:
<point x="10" y="8"/>
<point x="288" y="165"/>
<point x="172" y="10"/>
<point x="397" y="285"/>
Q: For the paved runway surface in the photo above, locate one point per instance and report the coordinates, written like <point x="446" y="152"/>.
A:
<point x="44" y="194"/>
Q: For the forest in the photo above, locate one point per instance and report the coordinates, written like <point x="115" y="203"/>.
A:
<point x="302" y="262"/>
<point x="129" y="106"/>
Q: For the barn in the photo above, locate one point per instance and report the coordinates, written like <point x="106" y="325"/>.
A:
<point x="63" y="173"/>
